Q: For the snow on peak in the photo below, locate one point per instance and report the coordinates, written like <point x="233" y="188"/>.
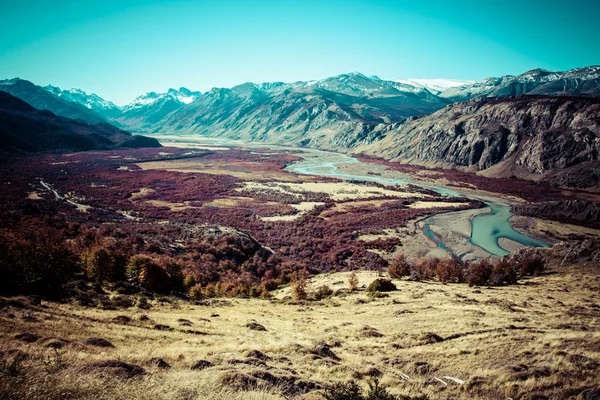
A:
<point x="183" y="95"/>
<point x="91" y="101"/>
<point x="435" y="85"/>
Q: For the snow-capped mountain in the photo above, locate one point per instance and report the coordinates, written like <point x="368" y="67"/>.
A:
<point x="435" y="86"/>
<point x="43" y="99"/>
<point x="105" y="108"/>
<point x="152" y="107"/>
<point x="576" y="82"/>
<point x="183" y="96"/>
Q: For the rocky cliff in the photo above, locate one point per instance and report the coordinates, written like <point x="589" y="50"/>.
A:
<point x="552" y="139"/>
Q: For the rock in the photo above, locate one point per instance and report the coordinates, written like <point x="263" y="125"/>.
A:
<point x="162" y="327"/>
<point x="429" y="338"/>
<point x="555" y="139"/>
<point x="258" y="355"/>
<point x="367" y="331"/>
<point x="255" y="326"/>
<point x="98" y="342"/>
<point x="323" y="350"/>
<point x="158" y="363"/>
<point x="27" y="337"/>
<point x="122" y="319"/>
<point x="113" y="367"/>
<point x="144" y="318"/>
<point x="289" y="385"/>
<point x="185" y="322"/>
<point x="201" y="364"/>
<point x="249" y="361"/>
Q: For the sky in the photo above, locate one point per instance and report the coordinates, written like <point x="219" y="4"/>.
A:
<point x="122" y="49"/>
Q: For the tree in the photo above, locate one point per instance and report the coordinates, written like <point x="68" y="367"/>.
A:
<point x="353" y="282"/>
<point x="399" y="266"/>
<point x="300" y="285"/>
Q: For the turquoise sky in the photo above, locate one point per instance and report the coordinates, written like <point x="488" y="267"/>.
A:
<point x="121" y="49"/>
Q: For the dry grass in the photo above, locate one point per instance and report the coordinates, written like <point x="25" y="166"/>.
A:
<point x="338" y="191"/>
<point x="240" y="169"/>
<point x="540" y="336"/>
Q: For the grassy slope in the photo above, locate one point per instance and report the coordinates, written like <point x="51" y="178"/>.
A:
<point x="508" y="342"/>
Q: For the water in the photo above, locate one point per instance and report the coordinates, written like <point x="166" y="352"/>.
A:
<point x="486" y="229"/>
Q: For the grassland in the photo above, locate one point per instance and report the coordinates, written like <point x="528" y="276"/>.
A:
<point x="236" y="220"/>
<point x="539" y="337"/>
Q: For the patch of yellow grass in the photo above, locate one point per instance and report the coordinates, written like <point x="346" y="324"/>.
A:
<point x="487" y="335"/>
<point x="337" y="191"/>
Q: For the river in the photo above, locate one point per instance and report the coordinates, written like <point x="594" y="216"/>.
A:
<point x="486" y="228"/>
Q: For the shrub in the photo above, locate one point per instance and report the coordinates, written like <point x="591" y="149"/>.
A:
<point x="378" y="392"/>
<point x="449" y="270"/>
<point x="196" y="292"/>
<point x="148" y="274"/>
<point x="424" y="269"/>
<point x="399" y="267"/>
<point x="103" y="264"/>
<point x="154" y="278"/>
<point x="323" y="292"/>
<point x="381" y="285"/>
<point x="143" y="303"/>
<point x="351" y="391"/>
<point x="353" y="282"/>
<point x="479" y="273"/>
<point x="37" y="263"/>
<point x="189" y="281"/>
<point x="531" y="265"/>
<point x="503" y="274"/>
<point x="175" y="272"/>
<point x="299" y="285"/>
<point x="343" y="391"/>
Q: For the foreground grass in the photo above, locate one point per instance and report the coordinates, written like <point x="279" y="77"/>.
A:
<point x="537" y="338"/>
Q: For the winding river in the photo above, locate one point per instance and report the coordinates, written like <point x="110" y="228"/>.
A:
<point x="486" y="228"/>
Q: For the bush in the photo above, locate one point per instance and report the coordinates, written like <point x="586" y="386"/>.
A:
<point x="323" y="292"/>
<point x="37" y="263"/>
<point x="449" y="270"/>
<point x="353" y="282"/>
<point x="351" y="391"/>
<point x="503" y="274"/>
<point x="531" y="265"/>
<point x="299" y="285"/>
<point x="196" y="292"/>
<point x="479" y="273"/>
<point x="343" y="391"/>
<point x="378" y="392"/>
<point x="102" y="264"/>
<point x="148" y="274"/>
<point x="175" y="272"/>
<point x="399" y="267"/>
<point x="381" y="285"/>
<point x="424" y="269"/>
<point x="154" y="278"/>
<point x="143" y="303"/>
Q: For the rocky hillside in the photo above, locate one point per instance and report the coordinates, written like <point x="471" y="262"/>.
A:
<point x="553" y="139"/>
<point x="578" y="212"/>
<point x="24" y="128"/>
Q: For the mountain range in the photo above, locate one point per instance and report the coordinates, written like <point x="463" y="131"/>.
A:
<point x="441" y="122"/>
<point x="25" y="129"/>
